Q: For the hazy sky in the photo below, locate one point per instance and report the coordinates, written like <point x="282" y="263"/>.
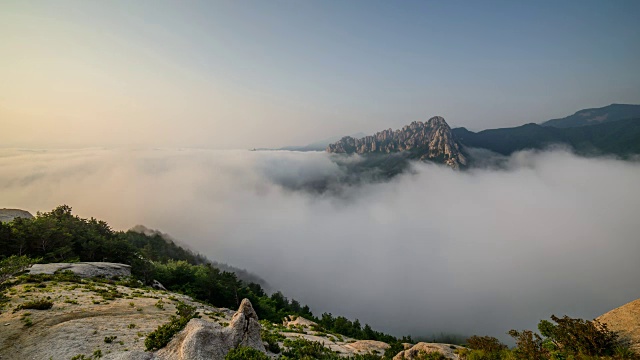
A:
<point x="240" y="74"/>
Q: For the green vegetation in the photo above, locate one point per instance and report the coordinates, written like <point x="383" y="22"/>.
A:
<point x="422" y="355"/>
<point x="13" y="264"/>
<point x="97" y="354"/>
<point x="271" y="337"/>
<point x="60" y="236"/>
<point x="305" y="349"/>
<point x="39" y="304"/>
<point x="109" y="339"/>
<point x="302" y="349"/>
<point x="245" y="353"/>
<point x="564" y="338"/>
<point x="161" y="336"/>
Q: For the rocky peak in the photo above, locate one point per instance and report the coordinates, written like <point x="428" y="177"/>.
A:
<point x="431" y="140"/>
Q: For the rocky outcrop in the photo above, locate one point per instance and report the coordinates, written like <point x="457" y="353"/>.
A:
<point x="158" y="286"/>
<point x="205" y="340"/>
<point x="368" y="346"/>
<point x="625" y="320"/>
<point x="84" y="269"/>
<point x="431" y="141"/>
<point x="294" y="320"/>
<point x="201" y="340"/>
<point x="412" y="353"/>
<point x="7" y="215"/>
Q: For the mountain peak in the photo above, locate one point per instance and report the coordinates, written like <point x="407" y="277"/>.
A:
<point x="431" y="141"/>
<point x="437" y="121"/>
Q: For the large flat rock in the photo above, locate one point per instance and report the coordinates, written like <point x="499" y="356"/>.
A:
<point x="84" y="269"/>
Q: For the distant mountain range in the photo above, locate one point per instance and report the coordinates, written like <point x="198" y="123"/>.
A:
<point x="613" y="129"/>
<point x="613" y="112"/>
<point x="620" y="138"/>
<point x="610" y="130"/>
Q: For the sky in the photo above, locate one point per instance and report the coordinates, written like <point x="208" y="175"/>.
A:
<point x="245" y="74"/>
<point x="479" y="252"/>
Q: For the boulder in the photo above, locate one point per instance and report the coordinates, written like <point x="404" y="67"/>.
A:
<point x="84" y="269"/>
<point x="157" y="285"/>
<point x="201" y="340"/>
<point x="412" y="353"/>
<point x="368" y="346"/>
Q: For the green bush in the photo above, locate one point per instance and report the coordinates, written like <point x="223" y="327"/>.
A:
<point x="578" y="337"/>
<point x="13" y="265"/>
<point x="272" y="339"/>
<point x="305" y="349"/>
<point x="529" y="345"/>
<point x="486" y="343"/>
<point x="394" y="348"/>
<point x="109" y="339"/>
<point x="161" y="336"/>
<point x="422" y="355"/>
<point x="469" y="354"/>
<point x="245" y="353"/>
<point x="39" y="304"/>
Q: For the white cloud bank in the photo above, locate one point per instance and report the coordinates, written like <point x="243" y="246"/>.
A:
<point x="480" y="251"/>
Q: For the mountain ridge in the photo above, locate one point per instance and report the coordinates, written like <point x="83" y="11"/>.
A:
<point x="620" y="138"/>
<point x="426" y="141"/>
<point x="594" y="116"/>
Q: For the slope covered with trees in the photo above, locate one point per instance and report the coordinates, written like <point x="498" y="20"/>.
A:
<point x="60" y="236"/>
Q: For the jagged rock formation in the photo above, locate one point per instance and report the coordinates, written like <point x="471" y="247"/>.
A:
<point x="625" y="320"/>
<point x="412" y="353"/>
<point x="432" y="141"/>
<point x="84" y="269"/>
<point x="205" y="340"/>
<point x="7" y="215"/>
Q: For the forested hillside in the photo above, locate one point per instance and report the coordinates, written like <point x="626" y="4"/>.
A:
<point x="60" y="236"/>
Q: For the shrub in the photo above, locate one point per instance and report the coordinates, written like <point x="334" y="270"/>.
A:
<point x="469" y="354"/>
<point x="272" y="339"/>
<point x="161" y="336"/>
<point x="485" y="343"/>
<point x="109" y="339"/>
<point x="39" y="304"/>
<point x="528" y="345"/>
<point x="577" y="336"/>
<point x="13" y="265"/>
<point x="394" y="348"/>
<point x="160" y="304"/>
<point x="423" y="355"/>
<point x="305" y="349"/>
<point x="245" y="353"/>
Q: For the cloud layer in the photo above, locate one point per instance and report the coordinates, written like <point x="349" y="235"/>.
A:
<point x="480" y="251"/>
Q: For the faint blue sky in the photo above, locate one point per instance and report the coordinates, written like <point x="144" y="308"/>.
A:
<point x="268" y="73"/>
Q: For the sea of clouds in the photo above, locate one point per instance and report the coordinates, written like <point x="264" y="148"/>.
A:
<point x="434" y="250"/>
